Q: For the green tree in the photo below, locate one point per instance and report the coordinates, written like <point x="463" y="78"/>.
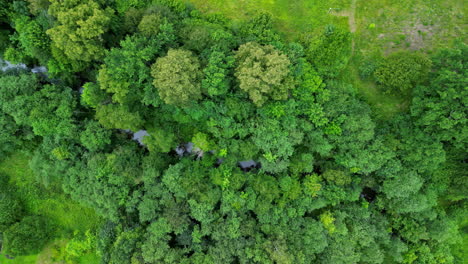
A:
<point x="104" y="181"/>
<point x="26" y="237"/>
<point x="217" y="80"/>
<point x="440" y="108"/>
<point x="125" y="246"/>
<point x="11" y="210"/>
<point x="126" y="74"/>
<point x="403" y="184"/>
<point x="16" y="96"/>
<point x="311" y="94"/>
<point x="155" y="248"/>
<point x="10" y="134"/>
<point x="116" y="116"/>
<point x="159" y="139"/>
<point x="202" y="141"/>
<point x="53" y="111"/>
<point x="401" y="71"/>
<point x="337" y="177"/>
<point x="262" y="72"/>
<point x="38" y="6"/>
<point x="276" y="140"/>
<point x="92" y="95"/>
<point x="177" y="77"/>
<point x="32" y="38"/>
<point x="330" y="51"/>
<point x="95" y="137"/>
<point x="80" y="245"/>
<point x="200" y="35"/>
<point x="80" y="27"/>
<point x="48" y="109"/>
<point x="260" y="29"/>
<point x="149" y="25"/>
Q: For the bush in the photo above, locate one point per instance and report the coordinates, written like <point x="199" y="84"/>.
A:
<point x="79" y="246"/>
<point x="26" y="237"/>
<point x="10" y="210"/>
<point x="402" y="70"/>
<point x="367" y="68"/>
<point x="330" y="52"/>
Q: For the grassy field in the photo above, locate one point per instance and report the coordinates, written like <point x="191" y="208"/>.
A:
<point x="292" y="18"/>
<point x="66" y="215"/>
<point x="379" y="28"/>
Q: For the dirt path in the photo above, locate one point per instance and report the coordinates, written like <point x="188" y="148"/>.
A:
<point x="351" y="18"/>
<point x="352" y="23"/>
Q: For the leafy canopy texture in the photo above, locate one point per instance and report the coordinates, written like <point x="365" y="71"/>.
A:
<point x="193" y="139"/>
<point x="262" y="72"/>
<point x="330" y="51"/>
<point x="80" y="27"/>
<point x="26" y="237"/>
<point x="441" y="108"/>
<point x="402" y="70"/>
<point x="177" y="77"/>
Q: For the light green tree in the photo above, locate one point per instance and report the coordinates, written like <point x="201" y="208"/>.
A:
<point x="177" y="77"/>
<point x="262" y="72"/>
<point x="80" y="28"/>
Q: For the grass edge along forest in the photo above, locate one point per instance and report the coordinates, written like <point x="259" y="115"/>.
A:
<point x="379" y="28"/>
<point x="69" y="222"/>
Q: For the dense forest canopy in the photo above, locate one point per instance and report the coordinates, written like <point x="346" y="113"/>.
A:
<point x="198" y="140"/>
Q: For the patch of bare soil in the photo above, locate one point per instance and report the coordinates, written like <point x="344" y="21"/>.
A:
<point x="418" y="35"/>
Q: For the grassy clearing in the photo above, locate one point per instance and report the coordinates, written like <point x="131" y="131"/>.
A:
<point x="384" y="105"/>
<point x="293" y="18"/>
<point x="380" y="27"/>
<point x="90" y="259"/>
<point x="19" y="260"/>
<point x="66" y="215"/>
<point x="408" y="24"/>
<point x="387" y="26"/>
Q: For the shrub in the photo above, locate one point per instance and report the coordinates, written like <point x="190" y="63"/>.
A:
<point x="26" y="237"/>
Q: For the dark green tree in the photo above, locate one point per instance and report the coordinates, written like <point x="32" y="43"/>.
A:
<point x="26" y="237"/>
<point x="401" y="71"/>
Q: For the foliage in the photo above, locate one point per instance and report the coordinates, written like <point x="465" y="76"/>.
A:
<point x="440" y="108"/>
<point x="116" y="116"/>
<point x="401" y="71"/>
<point x="217" y="81"/>
<point x="109" y="179"/>
<point x="262" y="72"/>
<point x="79" y="245"/>
<point x="52" y="111"/>
<point x="26" y="237"/>
<point x="330" y="52"/>
<point x="255" y="149"/>
<point x="32" y="38"/>
<point x="11" y="210"/>
<point x="8" y="134"/>
<point x="80" y="27"/>
<point x="177" y="77"/>
<point x="149" y="25"/>
<point x="260" y="29"/>
<point x="95" y="137"/>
